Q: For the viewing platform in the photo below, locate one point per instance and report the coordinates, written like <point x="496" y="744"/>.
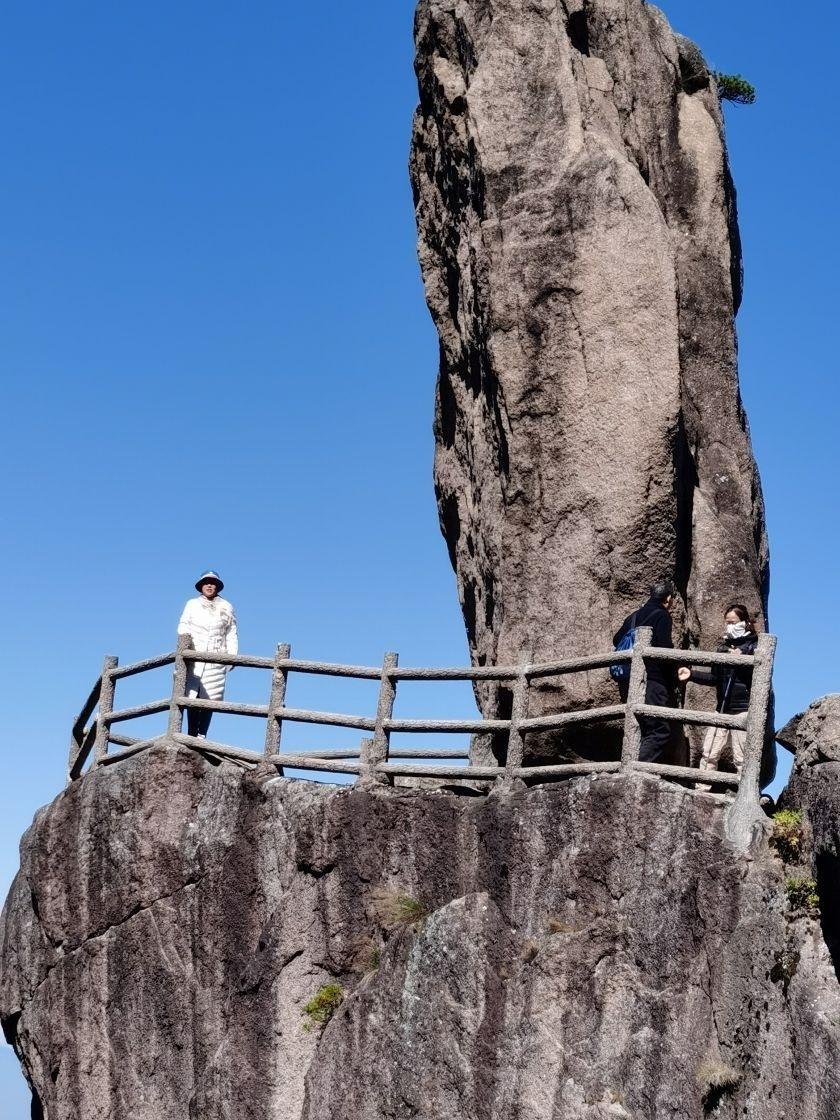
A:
<point x="376" y="762"/>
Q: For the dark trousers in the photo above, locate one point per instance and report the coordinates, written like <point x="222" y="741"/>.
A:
<point x="656" y="733"/>
<point x="198" y="721"/>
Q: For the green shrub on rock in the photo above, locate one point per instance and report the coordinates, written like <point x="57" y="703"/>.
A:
<point x="802" y="893"/>
<point x="323" y="1006"/>
<point x="787" y="836"/>
<point x="732" y="87"/>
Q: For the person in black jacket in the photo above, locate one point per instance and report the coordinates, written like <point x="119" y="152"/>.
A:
<point x="733" y="689"/>
<point x="661" y="675"/>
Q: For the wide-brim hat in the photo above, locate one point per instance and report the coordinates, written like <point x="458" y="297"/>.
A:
<point x="209" y="577"/>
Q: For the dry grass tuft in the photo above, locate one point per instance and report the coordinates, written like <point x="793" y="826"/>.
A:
<point x="716" y="1079"/>
<point x="394" y="909"/>
<point x="367" y="956"/>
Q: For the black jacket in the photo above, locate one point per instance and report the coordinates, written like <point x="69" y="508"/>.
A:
<point x="733" y="685"/>
<point x="653" y="614"/>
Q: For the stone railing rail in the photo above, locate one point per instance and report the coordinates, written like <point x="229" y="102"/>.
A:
<point x="375" y="761"/>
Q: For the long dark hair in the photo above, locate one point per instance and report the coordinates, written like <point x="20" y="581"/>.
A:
<point x="742" y="613"/>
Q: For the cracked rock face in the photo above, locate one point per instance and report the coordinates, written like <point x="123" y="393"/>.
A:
<point x="581" y="951"/>
<point x="814" y="789"/>
<point x="814" y="735"/>
<point x="579" y="247"/>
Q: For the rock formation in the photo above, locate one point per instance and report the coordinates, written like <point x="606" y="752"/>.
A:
<point x="814" y="735"/>
<point x="189" y="940"/>
<point x="814" y="791"/>
<point x="579" y="246"/>
<point x="583" y="951"/>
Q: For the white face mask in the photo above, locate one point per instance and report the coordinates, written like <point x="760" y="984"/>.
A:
<point x="736" y="630"/>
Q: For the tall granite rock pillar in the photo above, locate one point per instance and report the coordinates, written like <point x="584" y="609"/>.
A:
<point x="579" y="247"/>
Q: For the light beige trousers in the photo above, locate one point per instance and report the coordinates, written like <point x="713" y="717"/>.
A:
<point x="715" y="743"/>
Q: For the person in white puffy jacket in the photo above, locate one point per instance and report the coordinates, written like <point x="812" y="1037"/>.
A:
<point x="211" y="623"/>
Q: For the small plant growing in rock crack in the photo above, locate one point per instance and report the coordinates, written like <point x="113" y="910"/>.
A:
<point x="784" y="970"/>
<point x="394" y="908"/>
<point x="732" y="87"/>
<point x="529" y="951"/>
<point x="802" y="893"/>
<point x="787" y="836"/>
<point x="322" y="1006"/>
<point x="367" y="956"/>
<point x="716" y="1079"/>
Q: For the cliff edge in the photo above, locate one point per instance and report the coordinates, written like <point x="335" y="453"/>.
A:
<point x="187" y="940"/>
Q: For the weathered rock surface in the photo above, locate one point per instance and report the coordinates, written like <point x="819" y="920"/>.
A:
<point x="814" y="735"/>
<point x="586" y="950"/>
<point x="814" y="788"/>
<point x="579" y="246"/>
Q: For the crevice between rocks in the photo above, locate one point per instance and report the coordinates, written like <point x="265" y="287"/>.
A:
<point x="828" y="889"/>
<point x="577" y="29"/>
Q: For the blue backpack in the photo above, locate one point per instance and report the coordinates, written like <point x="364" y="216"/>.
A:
<point x="621" y="672"/>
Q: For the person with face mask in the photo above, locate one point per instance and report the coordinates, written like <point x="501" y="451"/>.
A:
<point x="733" y="689"/>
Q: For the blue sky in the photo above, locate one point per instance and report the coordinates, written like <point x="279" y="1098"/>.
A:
<point x="215" y="349"/>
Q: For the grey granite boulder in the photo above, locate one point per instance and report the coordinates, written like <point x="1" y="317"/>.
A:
<point x="814" y="792"/>
<point x="814" y="735"/>
<point x="592" y="949"/>
<point x="580" y="253"/>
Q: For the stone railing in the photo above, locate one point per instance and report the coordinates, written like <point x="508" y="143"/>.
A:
<point x="375" y="761"/>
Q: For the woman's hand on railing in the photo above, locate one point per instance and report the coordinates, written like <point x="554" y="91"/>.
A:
<point x="683" y="674"/>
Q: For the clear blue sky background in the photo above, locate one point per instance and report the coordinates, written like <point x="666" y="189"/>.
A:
<point x="215" y="349"/>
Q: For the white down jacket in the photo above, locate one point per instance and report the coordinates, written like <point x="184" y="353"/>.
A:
<point x="211" y="624"/>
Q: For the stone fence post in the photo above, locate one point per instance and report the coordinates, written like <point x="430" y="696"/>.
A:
<point x="106" y="706"/>
<point x="179" y="686"/>
<point x="276" y="702"/>
<point x="375" y="750"/>
<point x="745" y="813"/>
<point x="635" y="695"/>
